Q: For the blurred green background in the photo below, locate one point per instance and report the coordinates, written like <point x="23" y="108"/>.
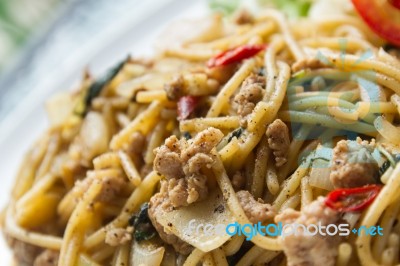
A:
<point x="18" y="20"/>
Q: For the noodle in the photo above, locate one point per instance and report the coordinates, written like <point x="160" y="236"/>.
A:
<point x="269" y="115"/>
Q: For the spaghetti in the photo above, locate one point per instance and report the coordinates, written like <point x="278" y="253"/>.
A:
<point x="117" y="178"/>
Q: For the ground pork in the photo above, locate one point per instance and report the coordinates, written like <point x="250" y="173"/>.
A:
<point x="243" y="16"/>
<point x="118" y="236"/>
<point x="174" y="89"/>
<point x="308" y="250"/>
<point x="196" y="84"/>
<point x="353" y="164"/>
<point x="250" y="93"/>
<point x="221" y="74"/>
<point x="255" y="210"/>
<point x="137" y="141"/>
<point x="146" y="169"/>
<point x="110" y="189"/>
<point x="47" y="258"/>
<point x="185" y="191"/>
<point x="180" y="161"/>
<point x="168" y="160"/>
<point x="311" y="63"/>
<point x="159" y="204"/>
<point x="238" y="180"/>
<point x="24" y="253"/>
<point x="278" y="141"/>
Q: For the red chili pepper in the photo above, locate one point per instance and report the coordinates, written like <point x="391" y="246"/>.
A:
<point x="381" y="17"/>
<point x="235" y="55"/>
<point x="186" y="106"/>
<point x="395" y="3"/>
<point x="352" y="199"/>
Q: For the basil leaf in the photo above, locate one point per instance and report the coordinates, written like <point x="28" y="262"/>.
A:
<point x="236" y="133"/>
<point x="98" y="85"/>
<point x="143" y="228"/>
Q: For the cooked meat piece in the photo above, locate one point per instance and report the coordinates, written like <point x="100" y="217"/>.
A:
<point x="181" y="161"/>
<point x="221" y="74"/>
<point x="159" y="204"/>
<point x="310" y="250"/>
<point x="177" y="192"/>
<point x="204" y="142"/>
<point x="254" y="79"/>
<point x="137" y="141"/>
<point x="174" y="89"/>
<point x="255" y="210"/>
<point x="111" y="187"/>
<point x="168" y="160"/>
<point x="243" y="16"/>
<point x="250" y="93"/>
<point x="197" y="187"/>
<point x="24" y="253"/>
<point x="185" y="191"/>
<point x="238" y="180"/>
<point x="118" y="236"/>
<point x="278" y="141"/>
<point x="353" y="164"/>
<point x="47" y="258"/>
<point x="195" y="163"/>
<point x="311" y="63"/>
<point x="146" y="169"/>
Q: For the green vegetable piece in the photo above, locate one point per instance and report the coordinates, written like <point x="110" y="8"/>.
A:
<point x="384" y="167"/>
<point x="227" y="7"/>
<point x="236" y="133"/>
<point x="292" y="8"/>
<point x="98" y="85"/>
<point x="143" y="228"/>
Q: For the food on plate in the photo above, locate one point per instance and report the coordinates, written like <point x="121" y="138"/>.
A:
<point x="382" y="16"/>
<point x="246" y="140"/>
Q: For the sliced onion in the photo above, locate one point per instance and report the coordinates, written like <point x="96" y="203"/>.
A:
<point x="59" y="107"/>
<point x="94" y="135"/>
<point x="212" y="211"/>
<point x="330" y="8"/>
<point x="387" y="145"/>
<point x="319" y="175"/>
<point x="146" y="253"/>
<point x="387" y="130"/>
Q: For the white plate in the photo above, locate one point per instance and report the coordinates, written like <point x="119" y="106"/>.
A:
<point x="134" y="35"/>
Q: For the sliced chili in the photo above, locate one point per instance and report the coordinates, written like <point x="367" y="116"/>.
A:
<point x="395" y="3"/>
<point x="235" y="55"/>
<point x="352" y="199"/>
<point x="186" y="106"/>
<point x="383" y="17"/>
